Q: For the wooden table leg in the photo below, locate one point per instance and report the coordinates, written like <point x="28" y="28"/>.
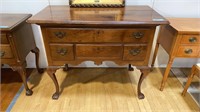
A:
<point x="190" y="77"/>
<point x="130" y="68"/>
<point x="37" y="52"/>
<point x="51" y="72"/>
<point x="166" y="73"/>
<point x="22" y="71"/>
<point x="144" y="73"/>
<point x="154" y="56"/>
<point x="66" y="67"/>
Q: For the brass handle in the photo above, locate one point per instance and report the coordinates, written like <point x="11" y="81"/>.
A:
<point x="193" y="39"/>
<point x="60" y="34"/>
<point x="2" y="53"/>
<point x="134" y="52"/>
<point x="188" y="51"/>
<point x="138" y="35"/>
<point x="62" y="51"/>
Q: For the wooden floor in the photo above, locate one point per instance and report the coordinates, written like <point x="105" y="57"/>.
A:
<point x="10" y="84"/>
<point x="104" y="90"/>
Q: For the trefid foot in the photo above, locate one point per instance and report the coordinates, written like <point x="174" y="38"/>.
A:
<point x="29" y="92"/>
<point x="55" y="96"/>
<point x="141" y="96"/>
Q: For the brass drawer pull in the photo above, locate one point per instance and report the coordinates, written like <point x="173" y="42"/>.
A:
<point x="138" y="35"/>
<point x="188" y="51"/>
<point x="62" y="51"/>
<point x="2" y="53"/>
<point x="193" y="39"/>
<point x="60" y="34"/>
<point x="134" y="52"/>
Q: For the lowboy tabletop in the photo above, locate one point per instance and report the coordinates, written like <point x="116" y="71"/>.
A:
<point x="140" y="15"/>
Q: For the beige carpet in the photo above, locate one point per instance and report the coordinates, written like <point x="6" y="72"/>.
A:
<point x="104" y="90"/>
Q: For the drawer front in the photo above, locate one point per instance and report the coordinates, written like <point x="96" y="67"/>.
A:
<point x="188" y="51"/>
<point x="4" y="39"/>
<point x="98" y="35"/>
<point x="70" y="35"/>
<point x="111" y="51"/>
<point x="137" y="36"/>
<point x="135" y="52"/>
<point x="61" y="52"/>
<point x="190" y="39"/>
<point x="6" y="52"/>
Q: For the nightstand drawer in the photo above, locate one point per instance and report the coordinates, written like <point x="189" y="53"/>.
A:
<point x="190" y="39"/>
<point x="4" y="39"/>
<point x="98" y="51"/>
<point x="61" y="52"/>
<point x="188" y="51"/>
<point x="135" y="52"/>
<point x="6" y="52"/>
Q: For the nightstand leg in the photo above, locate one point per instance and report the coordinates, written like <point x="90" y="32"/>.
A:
<point x="154" y="56"/>
<point x="130" y="68"/>
<point x="37" y="52"/>
<point x="51" y="72"/>
<point x="190" y="77"/>
<point x="22" y="71"/>
<point x="144" y="73"/>
<point x="166" y="74"/>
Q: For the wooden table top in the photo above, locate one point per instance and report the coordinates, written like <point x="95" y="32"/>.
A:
<point x="9" y="21"/>
<point x="185" y="24"/>
<point x="128" y="15"/>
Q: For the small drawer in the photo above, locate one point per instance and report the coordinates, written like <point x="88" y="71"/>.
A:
<point x="101" y="51"/>
<point x="6" y="52"/>
<point x="188" y="51"/>
<point x="135" y="52"/>
<point x="4" y="39"/>
<point x="69" y="35"/>
<point x="137" y="36"/>
<point x="190" y="39"/>
<point x="61" y="52"/>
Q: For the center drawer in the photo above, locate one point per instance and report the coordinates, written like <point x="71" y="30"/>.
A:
<point x="4" y="40"/>
<point x="98" y="35"/>
<point x="107" y="51"/>
<point x="5" y="51"/>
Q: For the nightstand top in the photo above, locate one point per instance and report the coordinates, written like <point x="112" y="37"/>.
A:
<point x="10" y="21"/>
<point x="185" y="24"/>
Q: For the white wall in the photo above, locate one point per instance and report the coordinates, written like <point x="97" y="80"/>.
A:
<point x="167" y="8"/>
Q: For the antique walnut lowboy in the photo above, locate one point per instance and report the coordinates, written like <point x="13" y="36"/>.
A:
<point x="122" y="35"/>
<point x="17" y="41"/>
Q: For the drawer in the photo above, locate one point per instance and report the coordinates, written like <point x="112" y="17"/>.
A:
<point x="190" y="39"/>
<point x="70" y="35"/>
<point x="4" y="39"/>
<point x="188" y="51"/>
<point x="99" y="51"/>
<point x="98" y="35"/>
<point x="137" y="36"/>
<point x="61" y="52"/>
<point x="6" y="52"/>
<point x="135" y="52"/>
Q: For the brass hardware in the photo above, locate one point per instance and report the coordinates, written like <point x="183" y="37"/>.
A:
<point x="188" y="51"/>
<point x="134" y="52"/>
<point x="2" y="53"/>
<point x="137" y="35"/>
<point x="193" y="39"/>
<point x="60" y="34"/>
<point x="62" y="51"/>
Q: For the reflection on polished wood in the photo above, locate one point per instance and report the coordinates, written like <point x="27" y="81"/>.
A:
<point x="122" y="35"/>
